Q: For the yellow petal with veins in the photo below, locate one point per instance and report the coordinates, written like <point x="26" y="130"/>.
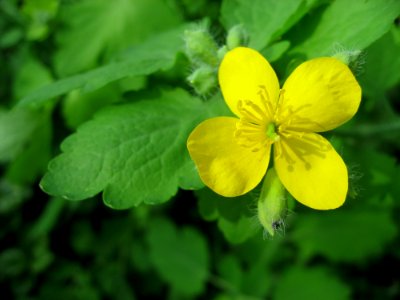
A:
<point x="226" y="167"/>
<point x="320" y="94"/>
<point x="245" y="75"/>
<point x="311" y="170"/>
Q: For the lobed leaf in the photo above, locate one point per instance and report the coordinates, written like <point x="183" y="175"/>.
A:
<point x="134" y="152"/>
<point x="353" y="25"/>
<point x="179" y="256"/>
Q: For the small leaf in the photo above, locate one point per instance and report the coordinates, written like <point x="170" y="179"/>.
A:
<point x="229" y="269"/>
<point x="16" y="129"/>
<point x="238" y="231"/>
<point x="179" y="256"/>
<point x="244" y="283"/>
<point x="257" y="280"/>
<point x="135" y="152"/>
<point x="305" y="284"/>
<point x="234" y="215"/>
<point x="345" y="236"/>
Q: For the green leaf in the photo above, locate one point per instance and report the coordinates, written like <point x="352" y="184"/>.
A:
<point x="36" y="152"/>
<point x="31" y="75"/>
<point x="213" y="206"/>
<point x="80" y="287"/>
<point x="13" y="262"/>
<point x="238" y="231"/>
<point x="305" y="284"/>
<point x="11" y="37"/>
<point x="157" y="53"/>
<point x="372" y="178"/>
<point x="275" y="51"/>
<point x="244" y="282"/>
<point x="179" y="256"/>
<point x="230" y="270"/>
<point x="345" y="236"/>
<point x="94" y="29"/>
<point x="382" y="65"/>
<point x="134" y="152"/>
<point x="79" y="107"/>
<point x="117" y="284"/>
<point x="16" y="129"/>
<point x="11" y="196"/>
<point x="31" y="130"/>
<point x="353" y="26"/>
<point x="265" y="20"/>
<point x="234" y="215"/>
<point x="39" y="13"/>
<point x="257" y="281"/>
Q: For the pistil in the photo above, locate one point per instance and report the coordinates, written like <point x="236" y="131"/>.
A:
<point x="271" y="132"/>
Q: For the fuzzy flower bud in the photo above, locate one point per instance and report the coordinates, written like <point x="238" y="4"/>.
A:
<point x="271" y="207"/>
<point x="203" y="79"/>
<point x="237" y="36"/>
<point x="201" y="47"/>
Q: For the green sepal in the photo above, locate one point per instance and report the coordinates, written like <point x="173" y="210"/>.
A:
<point x="271" y="206"/>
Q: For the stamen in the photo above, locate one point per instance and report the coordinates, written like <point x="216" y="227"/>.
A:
<point x="280" y="105"/>
<point x="245" y="112"/>
<point x="290" y="116"/>
<point x="251" y="129"/>
<point x="257" y="109"/>
<point x="249" y="137"/>
<point x="266" y="101"/>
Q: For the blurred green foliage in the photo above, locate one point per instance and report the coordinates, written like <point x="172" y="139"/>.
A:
<point x="105" y="83"/>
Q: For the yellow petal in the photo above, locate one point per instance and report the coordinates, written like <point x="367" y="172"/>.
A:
<point x="224" y="166"/>
<point x="311" y="170"/>
<point x="319" y="95"/>
<point x="245" y="75"/>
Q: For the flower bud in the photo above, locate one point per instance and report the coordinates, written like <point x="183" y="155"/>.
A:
<point x="201" y="47"/>
<point x="271" y="207"/>
<point x="237" y="36"/>
<point x="203" y="79"/>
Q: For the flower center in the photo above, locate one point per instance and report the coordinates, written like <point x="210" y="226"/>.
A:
<point x="271" y="132"/>
<point x="255" y="129"/>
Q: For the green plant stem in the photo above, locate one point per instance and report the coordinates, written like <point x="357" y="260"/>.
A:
<point x="47" y="220"/>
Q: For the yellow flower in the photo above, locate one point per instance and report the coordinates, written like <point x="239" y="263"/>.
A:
<point x="232" y="154"/>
